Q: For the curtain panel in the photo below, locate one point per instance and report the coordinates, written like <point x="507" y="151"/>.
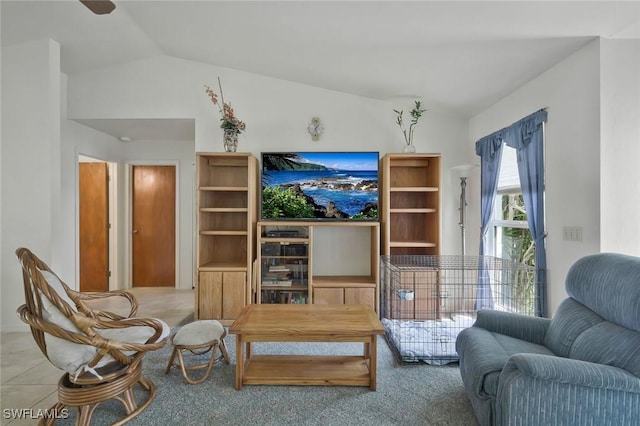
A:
<point x="489" y="149"/>
<point x="527" y="137"/>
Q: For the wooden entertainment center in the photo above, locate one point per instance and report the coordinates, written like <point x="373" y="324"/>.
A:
<point x="240" y="260"/>
<point x="287" y="248"/>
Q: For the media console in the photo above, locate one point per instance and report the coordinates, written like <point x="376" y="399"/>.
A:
<point x="289" y="270"/>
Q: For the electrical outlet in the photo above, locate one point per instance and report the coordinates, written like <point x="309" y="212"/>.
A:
<point x="572" y="233"/>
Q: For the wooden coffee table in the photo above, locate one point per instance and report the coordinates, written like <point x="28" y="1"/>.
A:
<point x="306" y="323"/>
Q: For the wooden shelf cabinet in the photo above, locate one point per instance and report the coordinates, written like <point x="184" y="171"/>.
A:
<point x="287" y="247"/>
<point x="283" y="259"/>
<point x="226" y="201"/>
<point x="410" y="204"/>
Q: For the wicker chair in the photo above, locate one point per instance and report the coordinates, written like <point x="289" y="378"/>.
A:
<point x="100" y="351"/>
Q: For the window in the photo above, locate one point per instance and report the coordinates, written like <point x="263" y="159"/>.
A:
<point x="501" y="231"/>
<point x="511" y="239"/>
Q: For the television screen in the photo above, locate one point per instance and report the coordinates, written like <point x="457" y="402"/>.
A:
<point x="319" y="186"/>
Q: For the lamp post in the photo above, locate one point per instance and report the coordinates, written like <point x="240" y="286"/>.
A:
<point x="463" y="173"/>
<point x="462" y="210"/>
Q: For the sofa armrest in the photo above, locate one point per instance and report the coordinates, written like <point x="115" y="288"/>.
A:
<point x="543" y="389"/>
<point x="523" y="327"/>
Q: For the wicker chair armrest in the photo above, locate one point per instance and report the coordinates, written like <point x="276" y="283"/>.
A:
<point x="136" y="322"/>
<point x="53" y="329"/>
<point x="81" y="298"/>
<point x="118" y="349"/>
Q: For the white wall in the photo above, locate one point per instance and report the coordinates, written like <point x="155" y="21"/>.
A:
<point x="571" y="91"/>
<point x="30" y="162"/>
<point x="620" y="147"/>
<point x="277" y="113"/>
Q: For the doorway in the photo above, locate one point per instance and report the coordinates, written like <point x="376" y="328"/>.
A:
<point x="153" y="226"/>
<point x="93" y="211"/>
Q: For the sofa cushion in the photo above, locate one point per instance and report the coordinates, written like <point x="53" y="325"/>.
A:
<point x="609" y="285"/>
<point x="483" y="355"/>
<point x="569" y="322"/>
<point x="609" y="344"/>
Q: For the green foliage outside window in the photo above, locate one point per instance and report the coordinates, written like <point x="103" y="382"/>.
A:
<point x="518" y="246"/>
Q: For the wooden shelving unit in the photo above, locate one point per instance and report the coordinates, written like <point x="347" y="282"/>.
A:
<point x="307" y="286"/>
<point x="283" y="263"/>
<point x="410" y="204"/>
<point x="226" y="218"/>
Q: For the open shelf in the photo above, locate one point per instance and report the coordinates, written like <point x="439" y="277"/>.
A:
<point x="295" y="370"/>
<point x="227" y="210"/>
<point x="410" y="204"/>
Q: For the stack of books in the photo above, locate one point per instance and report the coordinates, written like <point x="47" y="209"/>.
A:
<point x="278" y="275"/>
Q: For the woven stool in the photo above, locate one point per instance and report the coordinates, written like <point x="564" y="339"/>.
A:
<point x="198" y="337"/>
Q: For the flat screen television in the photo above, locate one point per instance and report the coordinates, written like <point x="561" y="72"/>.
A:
<point x="338" y="186"/>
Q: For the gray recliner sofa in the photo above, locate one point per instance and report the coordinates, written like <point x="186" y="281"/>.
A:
<point x="580" y="368"/>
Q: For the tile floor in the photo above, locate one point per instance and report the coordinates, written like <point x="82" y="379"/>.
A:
<point x="30" y="381"/>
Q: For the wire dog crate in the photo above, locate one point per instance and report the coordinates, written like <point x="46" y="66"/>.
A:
<point x="427" y="300"/>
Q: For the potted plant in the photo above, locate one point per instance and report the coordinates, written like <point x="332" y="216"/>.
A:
<point x="231" y="125"/>
<point x="415" y="113"/>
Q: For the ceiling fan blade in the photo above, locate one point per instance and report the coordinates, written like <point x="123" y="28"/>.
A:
<point x="99" y="7"/>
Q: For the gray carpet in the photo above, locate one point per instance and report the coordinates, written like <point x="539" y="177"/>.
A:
<point x="406" y="394"/>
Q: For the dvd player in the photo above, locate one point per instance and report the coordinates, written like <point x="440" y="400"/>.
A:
<point x="288" y="233"/>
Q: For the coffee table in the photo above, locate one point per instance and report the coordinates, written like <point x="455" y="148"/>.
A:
<point x="306" y="323"/>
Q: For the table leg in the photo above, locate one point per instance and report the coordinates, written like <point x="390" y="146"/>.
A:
<point x="373" y="360"/>
<point x="239" y="362"/>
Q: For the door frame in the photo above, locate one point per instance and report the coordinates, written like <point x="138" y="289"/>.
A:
<point x="128" y="226"/>
<point x="112" y="188"/>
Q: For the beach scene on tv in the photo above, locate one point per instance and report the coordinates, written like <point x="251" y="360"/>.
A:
<point x="320" y="185"/>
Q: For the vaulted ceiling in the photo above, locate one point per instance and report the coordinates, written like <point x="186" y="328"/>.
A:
<point x="458" y="56"/>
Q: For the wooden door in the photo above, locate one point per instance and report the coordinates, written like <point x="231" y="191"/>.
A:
<point x="93" y="200"/>
<point x="153" y="226"/>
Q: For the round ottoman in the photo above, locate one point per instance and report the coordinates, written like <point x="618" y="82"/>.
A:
<point x="198" y="337"/>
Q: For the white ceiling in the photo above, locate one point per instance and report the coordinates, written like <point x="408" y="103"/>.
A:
<point x="458" y="56"/>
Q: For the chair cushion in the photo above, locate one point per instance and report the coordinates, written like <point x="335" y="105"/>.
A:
<point x="73" y="357"/>
<point x="198" y="333"/>
<point x="66" y="355"/>
<point x="607" y="283"/>
<point x="51" y="312"/>
<point x="609" y="344"/>
<point x="569" y="322"/>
